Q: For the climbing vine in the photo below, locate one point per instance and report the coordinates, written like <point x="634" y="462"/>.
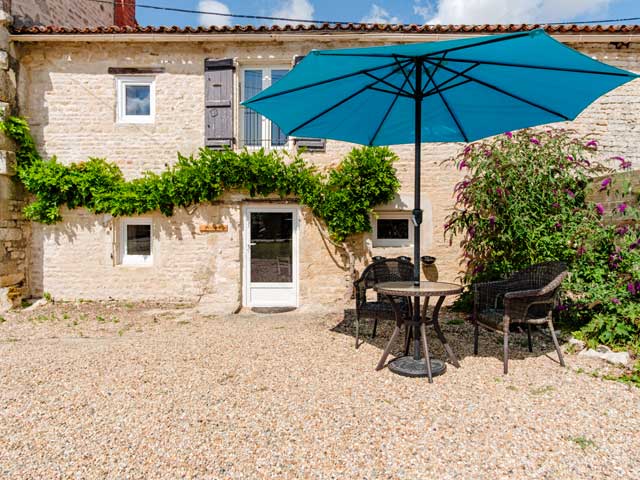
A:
<point x="343" y="197"/>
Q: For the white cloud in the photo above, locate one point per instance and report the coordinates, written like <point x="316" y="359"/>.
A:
<point x="213" y="6"/>
<point x="300" y="9"/>
<point x="507" y="11"/>
<point x="377" y="14"/>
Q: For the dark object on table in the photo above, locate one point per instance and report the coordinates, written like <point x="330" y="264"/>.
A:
<point x="427" y="260"/>
<point x="388" y="270"/>
<point x="526" y="297"/>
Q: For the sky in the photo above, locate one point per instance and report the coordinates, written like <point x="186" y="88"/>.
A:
<point x="389" y="11"/>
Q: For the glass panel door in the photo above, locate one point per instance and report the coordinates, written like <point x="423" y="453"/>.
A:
<point x="271" y="256"/>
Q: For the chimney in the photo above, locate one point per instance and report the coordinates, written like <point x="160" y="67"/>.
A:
<point x="124" y="14"/>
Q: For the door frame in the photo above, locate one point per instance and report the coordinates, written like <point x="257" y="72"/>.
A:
<point x="247" y="210"/>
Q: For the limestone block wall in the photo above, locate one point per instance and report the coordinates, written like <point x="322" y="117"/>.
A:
<point x="64" y="13"/>
<point x="14" y="230"/>
<point x="69" y="97"/>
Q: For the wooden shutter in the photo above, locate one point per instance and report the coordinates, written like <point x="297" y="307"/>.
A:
<point x="311" y="144"/>
<point x="218" y="74"/>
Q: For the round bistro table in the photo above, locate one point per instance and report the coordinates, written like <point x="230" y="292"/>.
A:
<point x="415" y="365"/>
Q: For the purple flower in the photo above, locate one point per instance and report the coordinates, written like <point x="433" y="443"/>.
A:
<point x="534" y="140"/>
<point x="509" y="134"/>
<point x="570" y="194"/>
<point x="581" y="251"/>
<point x="599" y="209"/>
<point x="555" y="205"/>
<point x="592" y="144"/>
<point x="492" y="220"/>
<point x="624" y="165"/>
<point x="499" y="191"/>
<point x="622" y="207"/>
<point x="622" y="230"/>
<point x="634" y="245"/>
<point x="570" y="158"/>
<point x="561" y="308"/>
<point x="487" y="153"/>
<point x="558" y="225"/>
<point x="467" y="149"/>
<point x="463" y="164"/>
<point x="472" y="231"/>
<point x="631" y="288"/>
<point x="605" y="183"/>
<point x="478" y="269"/>
<point x="615" y="300"/>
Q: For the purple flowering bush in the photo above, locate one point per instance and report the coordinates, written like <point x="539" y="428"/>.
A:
<point x="525" y="199"/>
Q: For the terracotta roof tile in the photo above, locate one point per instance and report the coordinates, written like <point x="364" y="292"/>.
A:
<point x="325" y="27"/>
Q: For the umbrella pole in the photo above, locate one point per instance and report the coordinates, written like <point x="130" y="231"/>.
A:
<point x="417" y="211"/>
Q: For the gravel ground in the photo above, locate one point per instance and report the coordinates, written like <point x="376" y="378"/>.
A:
<point x="153" y="391"/>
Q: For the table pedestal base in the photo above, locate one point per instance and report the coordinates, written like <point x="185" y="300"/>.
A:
<point x="410" y="367"/>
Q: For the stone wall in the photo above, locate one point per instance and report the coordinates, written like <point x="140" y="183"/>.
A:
<point x="64" y="13"/>
<point x="14" y="230"/>
<point x="69" y="98"/>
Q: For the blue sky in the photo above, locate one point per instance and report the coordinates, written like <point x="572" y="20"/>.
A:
<point x="391" y="11"/>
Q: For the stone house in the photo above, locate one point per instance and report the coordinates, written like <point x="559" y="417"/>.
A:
<point x="138" y="95"/>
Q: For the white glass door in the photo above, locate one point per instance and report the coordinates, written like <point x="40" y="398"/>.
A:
<point x="271" y="257"/>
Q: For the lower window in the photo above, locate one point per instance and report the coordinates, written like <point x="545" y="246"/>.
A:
<point x="136" y="242"/>
<point x="392" y="229"/>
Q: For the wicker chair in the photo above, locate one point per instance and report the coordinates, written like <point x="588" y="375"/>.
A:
<point x="526" y="297"/>
<point x="386" y="270"/>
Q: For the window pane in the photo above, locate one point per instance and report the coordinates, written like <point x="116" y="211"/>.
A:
<point x="393" y="228"/>
<point x="138" y="99"/>
<point x="252" y="120"/>
<point x="139" y="240"/>
<point x="272" y="248"/>
<point x="278" y="138"/>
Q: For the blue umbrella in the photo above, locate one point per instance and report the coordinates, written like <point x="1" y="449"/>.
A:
<point x="453" y="91"/>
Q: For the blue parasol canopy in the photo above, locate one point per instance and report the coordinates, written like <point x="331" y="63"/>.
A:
<point x="469" y="89"/>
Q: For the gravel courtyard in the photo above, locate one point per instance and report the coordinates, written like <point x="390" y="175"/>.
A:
<point x="149" y="391"/>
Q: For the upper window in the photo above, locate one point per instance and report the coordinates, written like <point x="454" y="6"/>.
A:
<point x="136" y="242"/>
<point x="256" y="130"/>
<point x="136" y="99"/>
<point x="392" y="230"/>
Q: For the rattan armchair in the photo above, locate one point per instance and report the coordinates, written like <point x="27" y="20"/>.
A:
<point x="384" y="270"/>
<point x="526" y="297"/>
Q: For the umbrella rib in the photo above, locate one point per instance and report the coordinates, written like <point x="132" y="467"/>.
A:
<point x="336" y="105"/>
<point x="538" y="67"/>
<point x="504" y="92"/>
<point x="391" y="92"/>
<point x="389" y="84"/>
<point x="449" y="80"/>
<point x="433" y="91"/>
<point x="321" y="82"/>
<point x="444" y="100"/>
<point x="406" y="76"/>
<point x="485" y="42"/>
<point x="388" y="112"/>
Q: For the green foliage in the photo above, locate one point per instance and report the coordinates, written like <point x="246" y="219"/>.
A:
<point x="343" y="198"/>
<point x="525" y="200"/>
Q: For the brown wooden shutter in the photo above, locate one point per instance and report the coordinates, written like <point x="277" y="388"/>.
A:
<point x="311" y="144"/>
<point x="218" y="74"/>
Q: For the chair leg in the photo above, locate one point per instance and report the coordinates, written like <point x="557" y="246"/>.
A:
<point x="375" y="326"/>
<point x="476" y="334"/>
<point x="505" y="347"/>
<point x="529" y="337"/>
<point x="357" y="330"/>
<point x="555" y="342"/>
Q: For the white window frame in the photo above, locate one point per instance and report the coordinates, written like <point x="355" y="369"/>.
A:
<point x="266" y="123"/>
<point x="391" y="242"/>
<point x="135" y="260"/>
<point x="121" y="98"/>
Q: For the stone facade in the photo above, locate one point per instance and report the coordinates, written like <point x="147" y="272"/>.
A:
<point x="14" y="230"/>
<point x="64" y="13"/>
<point x="69" y="97"/>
